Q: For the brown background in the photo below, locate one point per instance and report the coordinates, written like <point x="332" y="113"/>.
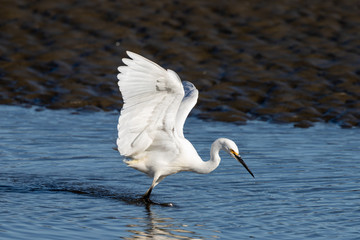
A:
<point x="283" y="61"/>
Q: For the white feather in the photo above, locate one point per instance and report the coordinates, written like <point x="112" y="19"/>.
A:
<point x="157" y="92"/>
<point x="150" y="128"/>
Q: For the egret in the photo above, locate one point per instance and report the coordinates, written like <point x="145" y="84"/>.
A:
<point x="150" y="127"/>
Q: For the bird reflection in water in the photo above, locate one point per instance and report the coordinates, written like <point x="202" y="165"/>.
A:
<point x="155" y="227"/>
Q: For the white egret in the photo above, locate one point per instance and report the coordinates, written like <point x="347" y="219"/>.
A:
<point x="150" y="128"/>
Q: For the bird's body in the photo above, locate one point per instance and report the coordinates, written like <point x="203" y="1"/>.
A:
<point x="150" y="128"/>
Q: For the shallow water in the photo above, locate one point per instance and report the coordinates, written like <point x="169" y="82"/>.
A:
<point x="60" y="178"/>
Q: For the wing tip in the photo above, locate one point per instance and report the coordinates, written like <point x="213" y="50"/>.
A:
<point x="127" y="60"/>
<point x="119" y="76"/>
<point x="133" y="55"/>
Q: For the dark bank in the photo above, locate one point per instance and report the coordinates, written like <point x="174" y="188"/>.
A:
<point x="278" y="61"/>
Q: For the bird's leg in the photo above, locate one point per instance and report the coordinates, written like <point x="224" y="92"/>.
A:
<point x="156" y="181"/>
<point x="146" y="196"/>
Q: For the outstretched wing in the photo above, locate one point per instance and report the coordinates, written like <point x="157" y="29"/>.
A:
<point x="188" y="102"/>
<point x="152" y="96"/>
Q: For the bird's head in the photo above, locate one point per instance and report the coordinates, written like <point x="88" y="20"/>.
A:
<point x="230" y="147"/>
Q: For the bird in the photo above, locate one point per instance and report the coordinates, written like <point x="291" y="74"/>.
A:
<point x="156" y="104"/>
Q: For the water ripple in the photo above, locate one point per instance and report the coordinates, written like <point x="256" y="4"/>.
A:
<point x="60" y="178"/>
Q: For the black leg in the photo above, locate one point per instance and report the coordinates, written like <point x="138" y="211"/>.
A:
<point x="146" y="196"/>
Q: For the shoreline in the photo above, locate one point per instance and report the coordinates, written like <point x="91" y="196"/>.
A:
<point x="294" y="62"/>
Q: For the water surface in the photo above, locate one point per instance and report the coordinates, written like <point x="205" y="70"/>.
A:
<point x="60" y="178"/>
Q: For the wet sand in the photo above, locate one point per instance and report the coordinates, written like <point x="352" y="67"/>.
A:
<point x="280" y="61"/>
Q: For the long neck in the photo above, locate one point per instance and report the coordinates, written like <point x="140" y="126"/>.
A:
<point x="213" y="163"/>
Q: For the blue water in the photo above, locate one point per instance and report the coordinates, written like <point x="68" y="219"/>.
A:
<point x="61" y="179"/>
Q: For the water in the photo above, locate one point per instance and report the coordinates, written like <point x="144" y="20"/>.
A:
<point x="61" y="179"/>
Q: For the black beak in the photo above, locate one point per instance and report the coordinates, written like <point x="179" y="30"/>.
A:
<point x="243" y="163"/>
